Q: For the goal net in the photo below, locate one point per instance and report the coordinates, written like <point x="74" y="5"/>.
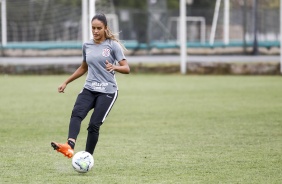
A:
<point x="60" y="21"/>
<point x="51" y="20"/>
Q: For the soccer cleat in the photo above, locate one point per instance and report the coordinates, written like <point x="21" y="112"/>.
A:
<point x="63" y="148"/>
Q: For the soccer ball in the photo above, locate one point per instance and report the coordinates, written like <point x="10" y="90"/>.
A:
<point x="82" y="161"/>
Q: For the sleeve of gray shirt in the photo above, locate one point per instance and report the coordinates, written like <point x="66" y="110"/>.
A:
<point x="118" y="52"/>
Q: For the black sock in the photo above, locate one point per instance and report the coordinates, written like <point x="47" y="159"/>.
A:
<point x="71" y="143"/>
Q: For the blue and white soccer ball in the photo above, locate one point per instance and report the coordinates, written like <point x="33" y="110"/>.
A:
<point x="82" y="161"/>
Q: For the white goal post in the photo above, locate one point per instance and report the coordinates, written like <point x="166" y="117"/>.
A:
<point x="4" y="22"/>
<point x="281" y="36"/>
<point x="87" y="14"/>
<point x="113" y="23"/>
<point x="225" y="21"/>
<point x="202" y="21"/>
<point x="183" y="29"/>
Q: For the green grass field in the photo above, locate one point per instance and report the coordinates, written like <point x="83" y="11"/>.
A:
<point x="162" y="129"/>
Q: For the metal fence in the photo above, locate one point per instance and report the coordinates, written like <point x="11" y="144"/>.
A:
<point x="49" y="20"/>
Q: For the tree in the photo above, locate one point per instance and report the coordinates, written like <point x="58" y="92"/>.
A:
<point x="262" y="3"/>
<point x="140" y="4"/>
<point x="69" y="2"/>
<point x="203" y="3"/>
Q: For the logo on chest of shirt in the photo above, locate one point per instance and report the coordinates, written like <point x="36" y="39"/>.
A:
<point x="106" y="52"/>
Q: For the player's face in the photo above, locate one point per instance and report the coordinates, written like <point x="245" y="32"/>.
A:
<point x="98" y="31"/>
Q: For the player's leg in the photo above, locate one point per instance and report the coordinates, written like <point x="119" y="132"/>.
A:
<point x="84" y="103"/>
<point x="102" y="107"/>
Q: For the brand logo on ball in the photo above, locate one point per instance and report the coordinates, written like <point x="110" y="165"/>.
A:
<point x="106" y="52"/>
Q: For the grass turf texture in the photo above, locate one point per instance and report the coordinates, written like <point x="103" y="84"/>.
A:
<point x="162" y="129"/>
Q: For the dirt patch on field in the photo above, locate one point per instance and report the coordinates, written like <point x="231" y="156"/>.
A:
<point x="211" y="68"/>
<point x="192" y="68"/>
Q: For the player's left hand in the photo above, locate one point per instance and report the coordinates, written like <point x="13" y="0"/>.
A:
<point x="109" y="66"/>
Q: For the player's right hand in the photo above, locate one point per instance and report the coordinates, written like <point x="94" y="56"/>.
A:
<point x="62" y="87"/>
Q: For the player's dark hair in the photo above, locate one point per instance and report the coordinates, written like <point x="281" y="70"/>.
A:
<point x="101" y="17"/>
<point x="108" y="33"/>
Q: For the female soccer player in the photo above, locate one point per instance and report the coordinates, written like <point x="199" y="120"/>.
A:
<point x="100" y="89"/>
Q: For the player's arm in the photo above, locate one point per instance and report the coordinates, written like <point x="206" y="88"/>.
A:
<point x="122" y="68"/>
<point x="81" y="70"/>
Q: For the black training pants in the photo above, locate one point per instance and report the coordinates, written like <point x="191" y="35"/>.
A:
<point x="87" y="100"/>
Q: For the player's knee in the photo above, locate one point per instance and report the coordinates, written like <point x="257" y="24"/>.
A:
<point x="78" y="113"/>
<point x="93" y="128"/>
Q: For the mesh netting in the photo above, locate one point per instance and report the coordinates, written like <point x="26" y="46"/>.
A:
<point x="60" y="20"/>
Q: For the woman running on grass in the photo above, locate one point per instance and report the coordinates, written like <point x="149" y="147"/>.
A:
<point x="100" y="89"/>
